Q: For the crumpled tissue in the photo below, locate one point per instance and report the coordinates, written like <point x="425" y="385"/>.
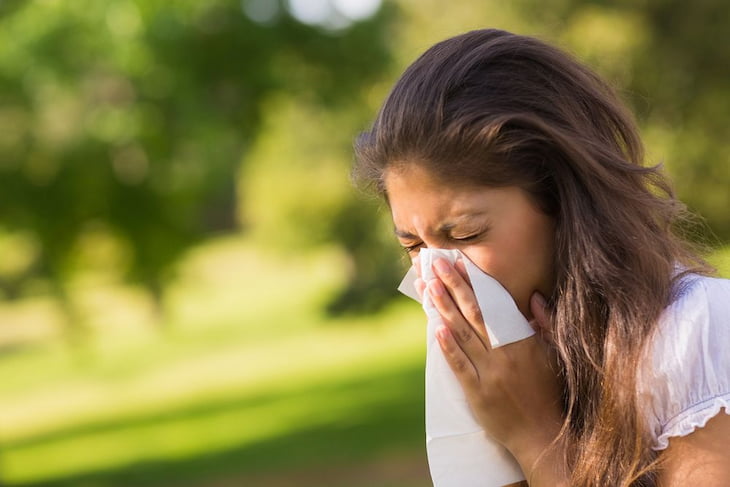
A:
<point x="460" y="452"/>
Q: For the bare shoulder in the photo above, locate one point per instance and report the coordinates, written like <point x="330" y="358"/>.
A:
<point x="700" y="458"/>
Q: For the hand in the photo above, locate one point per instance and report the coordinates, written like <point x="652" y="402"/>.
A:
<point x="514" y="391"/>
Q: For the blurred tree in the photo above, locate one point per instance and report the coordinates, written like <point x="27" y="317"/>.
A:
<point x="129" y="118"/>
<point x="671" y="60"/>
<point x="684" y="71"/>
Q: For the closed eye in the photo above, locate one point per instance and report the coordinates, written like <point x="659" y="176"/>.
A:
<point x="468" y="238"/>
<point x="412" y="248"/>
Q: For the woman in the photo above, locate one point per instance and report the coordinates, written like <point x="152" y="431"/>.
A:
<point x="509" y="150"/>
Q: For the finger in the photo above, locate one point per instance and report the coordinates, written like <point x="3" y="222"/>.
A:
<point x="463" y="332"/>
<point x="463" y="296"/>
<point x="541" y="321"/>
<point x="461" y="365"/>
<point x="460" y="267"/>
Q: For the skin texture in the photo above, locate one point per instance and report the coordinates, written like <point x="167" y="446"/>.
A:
<point x="514" y="390"/>
<point x="700" y="458"/>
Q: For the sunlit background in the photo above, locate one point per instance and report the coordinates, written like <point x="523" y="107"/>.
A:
<point x="191" y="292"/>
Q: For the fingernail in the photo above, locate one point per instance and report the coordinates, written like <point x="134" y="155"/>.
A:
<point x="435" y="288"/>
<point x="540" y="299"/>
<point x="441" y="266"/>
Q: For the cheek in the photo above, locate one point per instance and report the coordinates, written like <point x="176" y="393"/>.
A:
<point x="500" y="263"/>
<point x="520" y="262"/>
<point x="506" y="257"/>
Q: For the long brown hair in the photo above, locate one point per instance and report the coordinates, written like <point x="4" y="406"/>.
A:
<point x="493" y="108"/>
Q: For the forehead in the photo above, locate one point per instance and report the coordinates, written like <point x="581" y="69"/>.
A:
<point x="416" y="196"/>
<point x="406" y="177"/>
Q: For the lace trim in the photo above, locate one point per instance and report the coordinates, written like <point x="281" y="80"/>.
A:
<point x="689" y="420"/>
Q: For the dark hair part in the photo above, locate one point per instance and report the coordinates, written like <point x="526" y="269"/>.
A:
<point x="495" y="109"/>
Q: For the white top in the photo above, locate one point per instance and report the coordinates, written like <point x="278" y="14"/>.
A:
<point x="685" y="380"/>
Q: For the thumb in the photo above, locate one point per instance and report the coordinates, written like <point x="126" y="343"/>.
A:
<point x="541" y="321"/>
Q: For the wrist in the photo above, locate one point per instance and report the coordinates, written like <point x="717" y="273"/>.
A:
<point x="542" y="458"/>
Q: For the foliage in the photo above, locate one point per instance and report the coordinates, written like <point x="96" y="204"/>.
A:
<point x="671" y="61"/>
<point x="129" y="119"/>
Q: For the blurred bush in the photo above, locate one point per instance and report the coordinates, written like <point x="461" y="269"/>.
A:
<point x="126" y="121"/>
<point x="671" y="60"/>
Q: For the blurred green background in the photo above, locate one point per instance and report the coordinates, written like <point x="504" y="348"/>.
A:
<point x="191" y="292"/>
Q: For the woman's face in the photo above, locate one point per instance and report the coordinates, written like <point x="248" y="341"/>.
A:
<point x="500" y="230"/>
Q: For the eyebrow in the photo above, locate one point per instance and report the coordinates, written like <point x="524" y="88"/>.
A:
<point x="403" y="234"/>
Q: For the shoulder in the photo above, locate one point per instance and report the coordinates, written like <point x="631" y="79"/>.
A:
<point x="685" y="380"/>
<point x="693" y="290"/>
<point x="699" y="315"/>
<point x="699" y="458"/>
<point x="695" y="326"/>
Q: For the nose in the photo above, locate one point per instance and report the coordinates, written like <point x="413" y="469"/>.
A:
<point x="429" y="244"/>
<point x="433" y="243"/>
<point x="442" y="244"/>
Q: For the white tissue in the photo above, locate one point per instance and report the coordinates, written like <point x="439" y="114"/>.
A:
<point x="460" y="453"/>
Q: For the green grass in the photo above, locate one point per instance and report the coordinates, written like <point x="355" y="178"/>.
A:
<point x="337" y="421"/>
<point x="261" y="385"/>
